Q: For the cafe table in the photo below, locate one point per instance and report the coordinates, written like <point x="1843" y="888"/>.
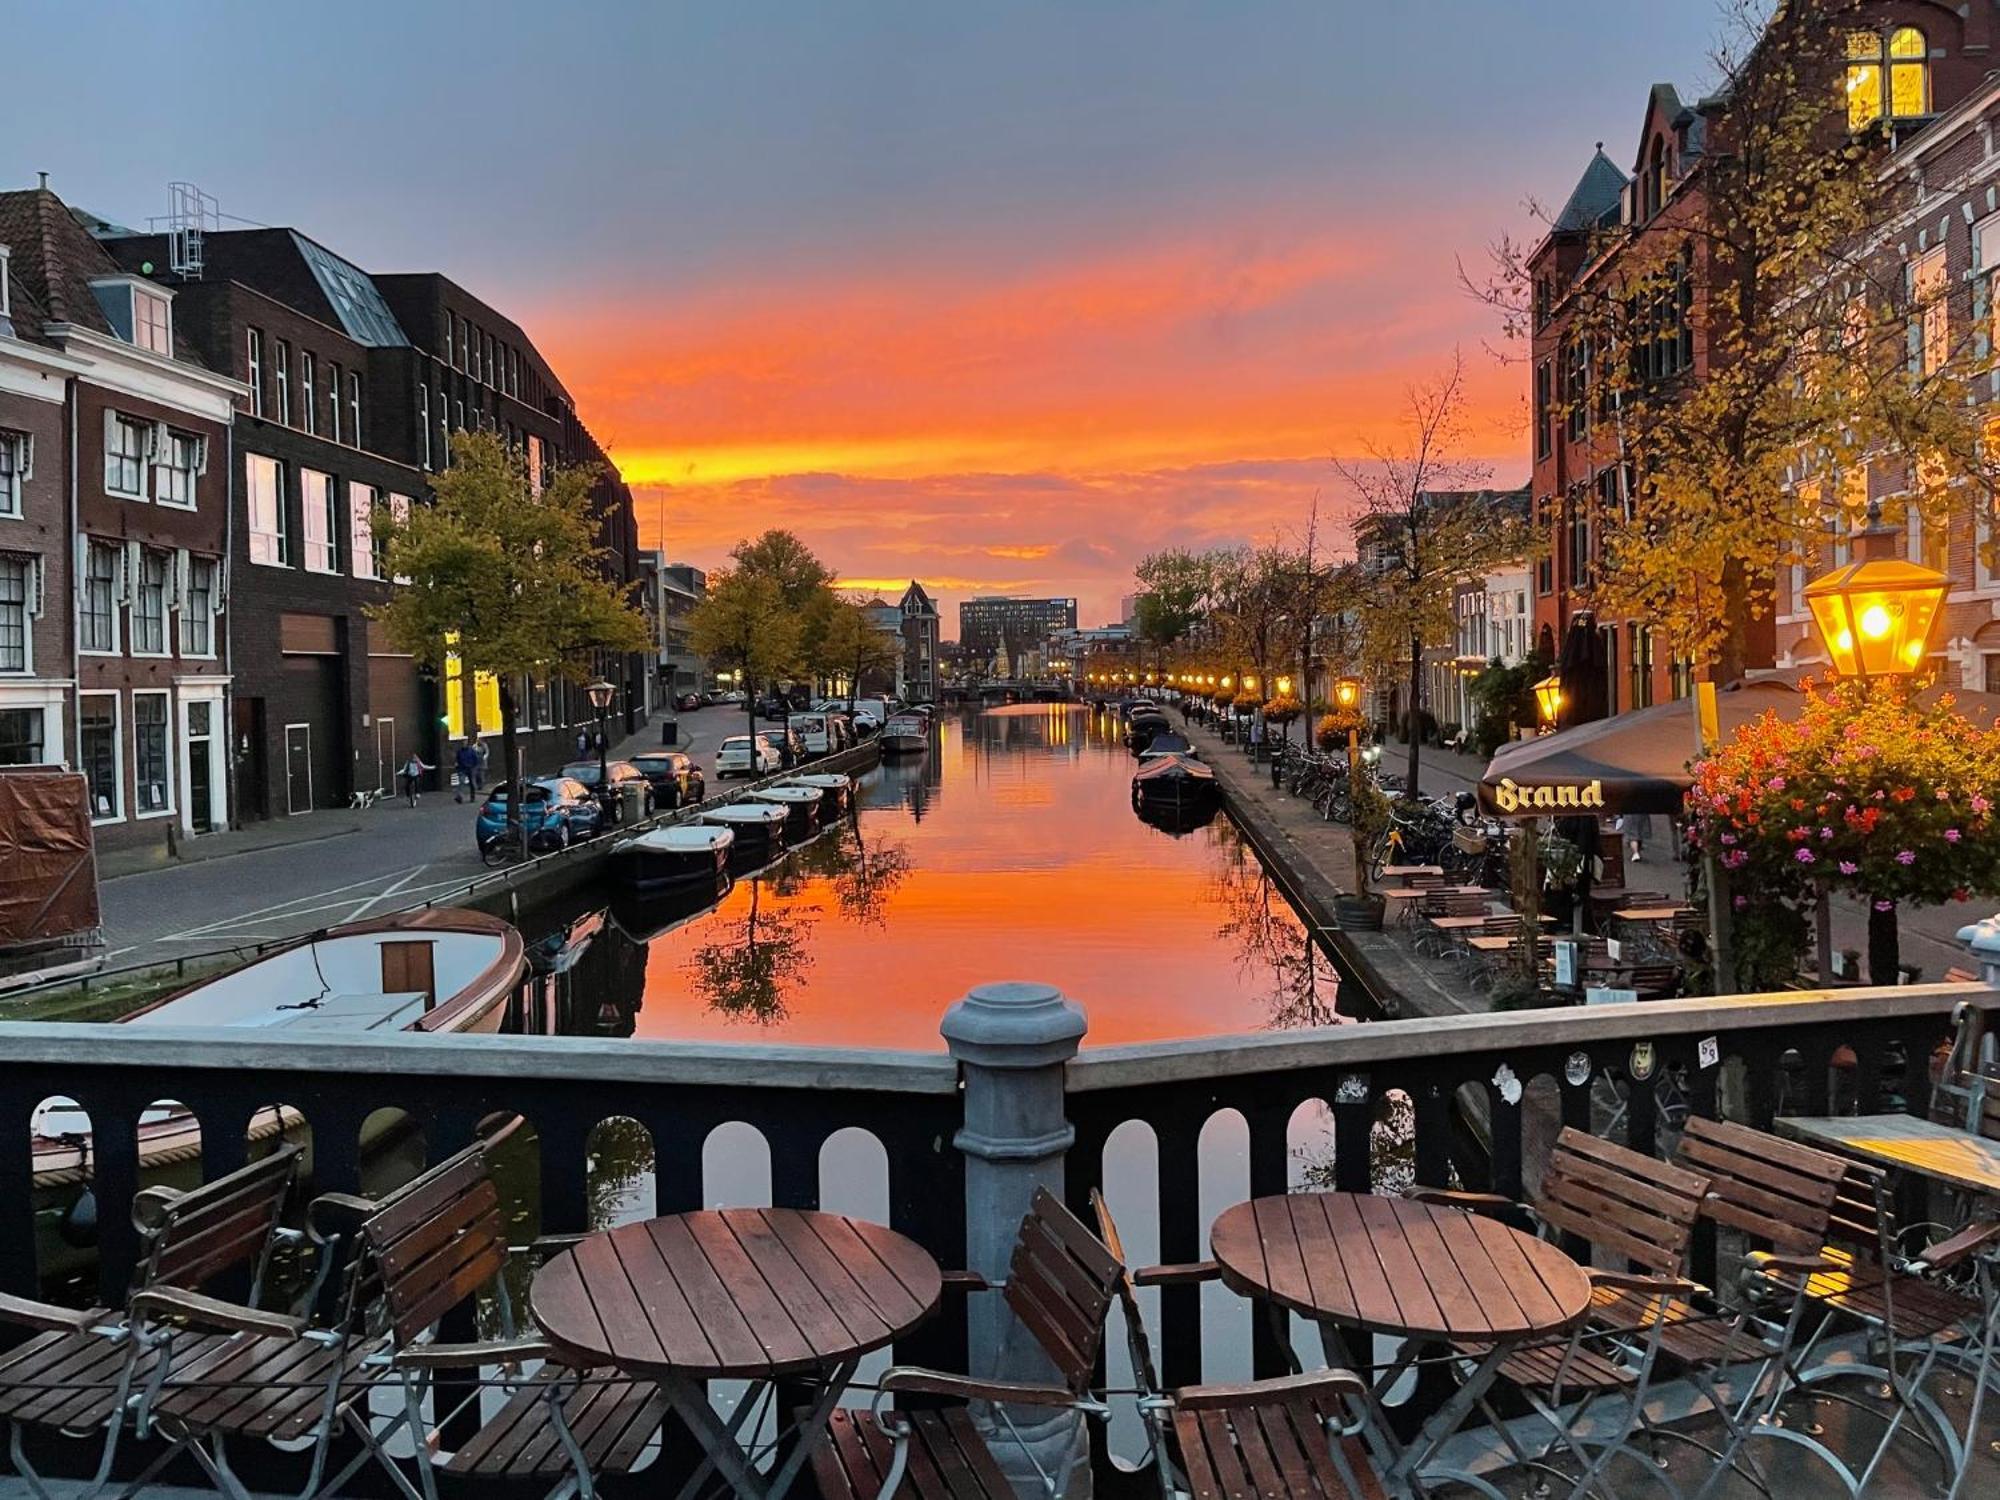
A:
<point x="754" y="1294"/>
<point x="1430" y="1275"/>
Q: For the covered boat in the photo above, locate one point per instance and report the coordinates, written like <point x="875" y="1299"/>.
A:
<point x="1173" y="781"/>
<point x="1170" y="742"/>
<point x="801" y="805"/>
<point x="682" y="855"/>
<point x="1142" y="729"/>
<point x="835" y="788"/>
<point x="906" y="734"/>
<point x="759" y="828"/>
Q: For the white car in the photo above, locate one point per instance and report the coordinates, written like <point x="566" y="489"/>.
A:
<point x="740" y="755"/>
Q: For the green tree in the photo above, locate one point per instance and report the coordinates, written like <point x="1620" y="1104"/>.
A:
<point x="744" y="625"/>
<point x="505" y="580"/>
<point x="850" y="646"/>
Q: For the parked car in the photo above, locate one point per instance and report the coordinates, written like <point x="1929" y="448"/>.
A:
<point x="687" y="703"/>
<point x="774" y="708"/>
<point x="815" y="733"/>
<point x="740" y="755"/>
<point x="619" y="774"/>
<point x="555" y="812"/>
<point x="791" y="749"/>
<point x="675" y="777"/>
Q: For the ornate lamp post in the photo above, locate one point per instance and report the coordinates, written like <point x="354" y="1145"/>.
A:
<point x="1876" y="617"/>
<point x="601" y="693"/>
<point x="1549" y="700"/>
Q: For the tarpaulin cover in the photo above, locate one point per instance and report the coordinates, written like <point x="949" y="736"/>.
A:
<point x="48" y="868"/>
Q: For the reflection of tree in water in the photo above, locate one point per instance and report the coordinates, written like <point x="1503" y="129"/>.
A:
<point x="869" y="876"/>
<point x="750" y="973"/>
<point x="621" y="1161"/>
<point x="1272" y="945"/>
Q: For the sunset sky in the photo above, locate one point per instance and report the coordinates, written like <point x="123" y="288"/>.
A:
<point x="997" y="296"/>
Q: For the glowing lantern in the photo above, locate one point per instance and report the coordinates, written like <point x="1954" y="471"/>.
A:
<point x="1284" y="687"/>
<point x="1347" y="692"/>
<point x="1876" y="617"/>
<point x="1549" y="698"/>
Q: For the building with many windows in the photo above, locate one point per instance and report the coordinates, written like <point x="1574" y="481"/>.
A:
<point x="1025" y="624"/>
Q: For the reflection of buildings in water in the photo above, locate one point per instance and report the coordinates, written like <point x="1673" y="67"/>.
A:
<point x="1275" y="949"/>
<point x="601" y="992"/>
<point x="751" y="972"/>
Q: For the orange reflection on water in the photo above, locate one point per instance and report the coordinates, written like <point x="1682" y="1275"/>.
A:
<point x="1010" y="851"/>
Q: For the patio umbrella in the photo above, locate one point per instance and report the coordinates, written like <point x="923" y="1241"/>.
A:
<point x="1586" y="693"/>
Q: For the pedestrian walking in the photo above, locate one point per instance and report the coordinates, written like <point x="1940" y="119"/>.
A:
<point x="413" y="775"/>
<point x="582" y="743"/>
<point x="1638" y="829"/>
<point x="479" y="772"/>
<point x="465" y="777"/>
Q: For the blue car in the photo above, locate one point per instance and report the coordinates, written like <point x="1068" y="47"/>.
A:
<point x="555" y="812"/>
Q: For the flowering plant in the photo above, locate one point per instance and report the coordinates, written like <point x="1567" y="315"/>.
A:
<point x="1283" y="709"/>
<point x="1863" y="792"/>
<point x="1331" y="730"/>
<point x="1248" y="703"/>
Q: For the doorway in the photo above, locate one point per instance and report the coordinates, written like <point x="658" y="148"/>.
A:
<point x="252" y="779"/>
<point x="298" y="769"/>
<point x="201" y="726"/>
<point x="386" y="763"/>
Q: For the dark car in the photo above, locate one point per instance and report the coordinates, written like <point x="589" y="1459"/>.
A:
<point x="619" y="775"/>
<point x="555" y="811"/>
<point x="776" y="708"/>
<point x="677" y="780"/>
<point x="687" y="703"/>
<point x="791" y="749"/>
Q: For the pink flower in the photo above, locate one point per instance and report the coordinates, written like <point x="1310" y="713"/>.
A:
<point x="1885" y="906"/>
<point x="1742" y="902"/>
<point x="1980" y="804"/>
<point x="1804" y="856"/>
<point x="1906" y="856"/>
<point x="1826" y="833"/>
<point x="1951" y="835"/>
<point x="1848" y="867"/>
<point x="1943" y="795"/>
<point x="1776" y="783"/>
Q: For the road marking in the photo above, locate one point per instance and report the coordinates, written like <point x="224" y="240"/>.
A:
<point x="385" y="893"/>
<point x="296" y="901"/>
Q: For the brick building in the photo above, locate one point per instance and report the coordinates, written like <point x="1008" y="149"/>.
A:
<point x="144" y="529"/>
<point x="1905" y="62"/>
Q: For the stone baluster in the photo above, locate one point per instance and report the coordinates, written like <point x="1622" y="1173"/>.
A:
<point x="1982" y="940"/>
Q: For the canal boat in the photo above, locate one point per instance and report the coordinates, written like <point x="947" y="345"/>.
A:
<point x="1142" y="728"/>
<point x="1173" y="781"/>
<point x="1170" y="742"/>
<point x="435" y="971"/>
<point x="683" y="855"/>
<point x="1178" y="820"/>
<point x="801" y="805"/>
<point x="759" y="828"/>
<point x="906" y="734"/>
<point x="836" y="790"/>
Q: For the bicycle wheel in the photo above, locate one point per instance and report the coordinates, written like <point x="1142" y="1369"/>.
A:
<point x="504" y="848"/>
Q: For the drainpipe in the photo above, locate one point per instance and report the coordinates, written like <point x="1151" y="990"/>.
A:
<point x="73" y="731"/>
<point x="226" y="625"/>
<point x="1011" y="1041"/>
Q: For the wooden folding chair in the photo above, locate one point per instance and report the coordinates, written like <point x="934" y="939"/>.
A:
<point x="87" y="1371"/>
<point x="1060" y="1284"/>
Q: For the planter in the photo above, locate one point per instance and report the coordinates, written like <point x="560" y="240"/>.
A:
<point x="1358" y="913"/>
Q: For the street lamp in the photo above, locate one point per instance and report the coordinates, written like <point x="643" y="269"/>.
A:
<point x="601" y="693"/>
<point x="1876" y="617"/>
<point x="1549" y="700"/>
<point x="1284" y="687"/>
<point x="1347" y="693"/>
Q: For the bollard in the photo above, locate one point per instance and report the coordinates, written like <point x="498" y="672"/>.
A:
<point x="1982" y="939"/>
<point x="1011" y="1041"/>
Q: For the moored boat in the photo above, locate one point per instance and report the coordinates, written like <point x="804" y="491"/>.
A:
<point x="1173" y="781"/>
<point x="680" y="855"/>
<point x="836" y="789"/>
<point x="1143" y="727"/>
<point x="801" y="805"/>
<point x="906" y="734"/>
<point x="759" y="828"/>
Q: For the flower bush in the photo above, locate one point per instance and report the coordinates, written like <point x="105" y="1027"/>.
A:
<point x="1283" y="709"/>
<point x="1331" y="730"/>
<point x="1862" y="793"/>
<point x="1248" y="703"/>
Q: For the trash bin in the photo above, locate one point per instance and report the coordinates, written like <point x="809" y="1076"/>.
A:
<point x="670" y="731"/>
<point x="632" y="800"/>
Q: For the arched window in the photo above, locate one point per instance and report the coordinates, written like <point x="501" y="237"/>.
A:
<point x="1888" y="73"/>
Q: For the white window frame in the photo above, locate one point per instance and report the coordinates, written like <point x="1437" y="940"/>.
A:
<point x="143" y="299"/>
<point x="354" y="408"/>
<point x="92" y="546"/>
<point x="138" y="588"/>
<point x="361" y="529"/>
<point x="333" y="400"/>
<point x="318" y="523"/>
<point x="140" y="813"/>
<point x="13" y="488"/>
<point x="115" y="423"/>
<point x="424" y="419"/>
<point x="169" y="441"/>
<point x="253" y="344"/>
<point x="188" y="563"/>
<point x="31" y="610"/>
<point x="273" y="537"/>
<point x="281" y="366"/>
<point x="117" y="813"/>
<point x="308" y="383"/>
<point x="399" y="512"/>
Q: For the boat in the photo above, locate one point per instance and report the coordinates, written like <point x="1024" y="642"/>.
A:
<point x="1139" y="736"/>
<point x="836" y="789"/>
<point x="906" y="734"/>
<point x="687" y="855"/>
<point x="1170" y="742"/>
<point x="437" y="971"/>
<point x="1178" y="820"/>
<point x="801" y="805"/>
<point x="759" y="828"/>
<point x="1173" y="781"/>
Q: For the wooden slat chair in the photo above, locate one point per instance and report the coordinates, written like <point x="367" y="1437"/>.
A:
<point x="1060" y="1284"/>
<point x="1430" y="938"/>
<point x="1629" y="1208"/>
<point x="87" y="1371"/>
<point x="1283" y="1439"/>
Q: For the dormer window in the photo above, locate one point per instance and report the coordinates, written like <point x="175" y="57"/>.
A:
<point x="139" y="313"/>
<point x="1888" y="75"/>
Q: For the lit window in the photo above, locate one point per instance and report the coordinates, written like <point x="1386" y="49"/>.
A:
<point x="198" y="608"/>
<point x="361" y="529"/>
<point x="1929" y="295"/>
<point x="320" y="520"/>
<point x="17" y="463"/>
<point x="152" y="767"/>
<point x="124" y="456"/>
<point x="1888" y="73"/>
<point x="97" y="620"/>
<point x="17" y="588"/>
<point x="266" y="497"/>
<point x="152" y="322"/>
<point x="180" y="461"/>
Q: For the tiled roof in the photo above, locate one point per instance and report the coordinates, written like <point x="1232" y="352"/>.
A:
<point x="53" y="258"/>
<point x="1596" y="194"/>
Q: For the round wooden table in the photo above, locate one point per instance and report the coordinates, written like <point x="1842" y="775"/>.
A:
<point x="743" y="1293"/>
<point x="1428" y="1274"/>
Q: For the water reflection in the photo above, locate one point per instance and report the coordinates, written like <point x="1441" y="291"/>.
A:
<point x="1008" y="851"/>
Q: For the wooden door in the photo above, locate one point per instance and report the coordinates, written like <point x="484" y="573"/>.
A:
<point x="406" y="968"/>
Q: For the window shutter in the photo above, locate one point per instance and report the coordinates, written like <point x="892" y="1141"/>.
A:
<point x="178" y="599"/>
<point x="156" y="441"/>
<point x="200" y="456"/>
<point x="219" y="588"/>
<point x="24" y="460"/>
<point x="128" y="572"/>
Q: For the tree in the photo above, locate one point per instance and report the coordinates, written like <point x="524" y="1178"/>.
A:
<point x="852" y="647"/>
<point x="1176" y="588"/>
<point x="504" y="580"/>
<point x="744" y="625"/>
<point x="782" y="578"/>
<point x="1426" y="524"/>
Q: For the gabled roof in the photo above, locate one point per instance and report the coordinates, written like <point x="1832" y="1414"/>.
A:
<point x="53" y="258"/>
<point x="1596" y="195"/>
<point x="915" y="594"/>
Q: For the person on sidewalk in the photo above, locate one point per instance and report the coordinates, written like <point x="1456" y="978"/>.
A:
<point x="465" y="778"/>
<point x="413" y="775"/>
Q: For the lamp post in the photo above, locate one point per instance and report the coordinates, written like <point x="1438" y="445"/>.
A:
<point x="600" y="693"/>
<point x="1347" y="698"/>
<point x="1549" y="701"/>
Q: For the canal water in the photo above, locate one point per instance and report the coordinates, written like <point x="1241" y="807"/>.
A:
<point x="1009" y="851"/>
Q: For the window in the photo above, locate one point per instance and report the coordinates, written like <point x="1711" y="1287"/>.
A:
<point x="21" y="737"/>
<point x="320" y="516"/>
<point x="1992" y="663"/>
<point x="513" y="373"/>
<point x="1888" y="74"/>
<point x="361" y="530"/>
<point x="97" y="754"/>
<point x="152" y="766"/>
<point x="17" y="608"/>
<point x="1545" y="428"/>
<point x="1545" y="566"/>
<point x="281" y="354"/>
<point x="98" y="618"/>
<point x="1579" y="538"/>
<point x="149" y="605"/>
<point x="1931" y="338"/>
<point x="124" y="456"/>
<point x="1576" y="388"/>
<point x="1929" y="545"/>
<point x="183" y="456"/>
<point x="17" y="465"/>
<point x="451" y="338"/>
<point x="256" y="372"/>
<point x="424" y="421"/>
<point x="307" y="406"/>
<point x="152" y="322"/>
<point x="399" y="512"/>
<point x="266" y="500"/>
<point x="1639" y="651"/>
<point x="198" y="607"/>
<point x="333" y="401"/>
<point x="444" y="431"/>
<point x="354" y="408"/>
